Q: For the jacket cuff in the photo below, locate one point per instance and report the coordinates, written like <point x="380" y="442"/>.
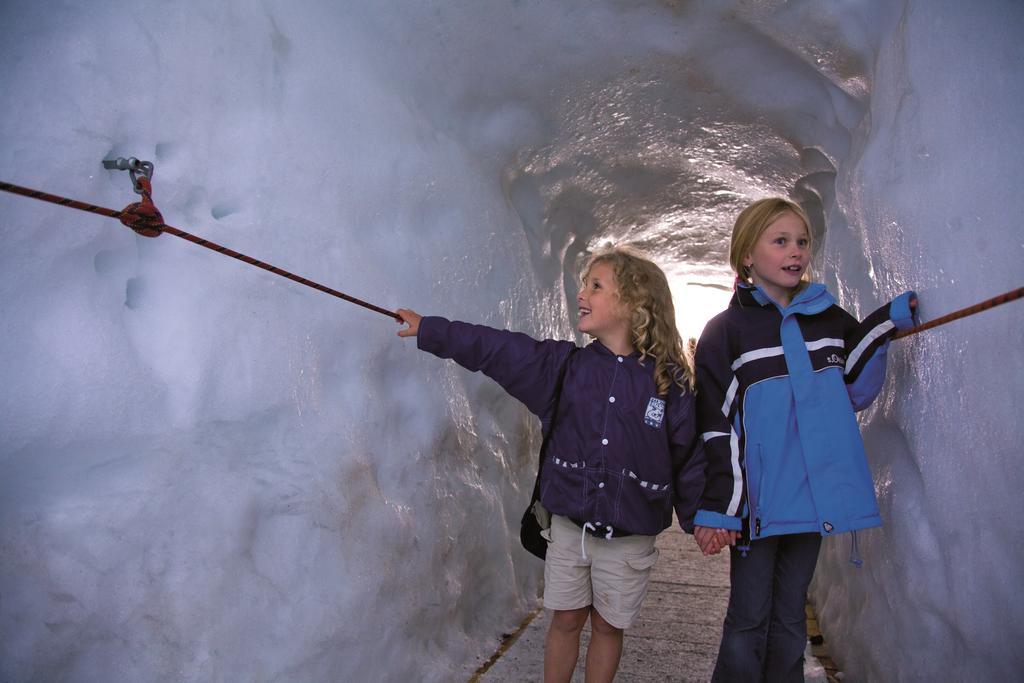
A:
<point x="716" y="520"/>
<point x="900" y="313"/>
<point x="431" y="333"/>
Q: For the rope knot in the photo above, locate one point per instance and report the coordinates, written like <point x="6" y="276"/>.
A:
<point x="143" y="217"/>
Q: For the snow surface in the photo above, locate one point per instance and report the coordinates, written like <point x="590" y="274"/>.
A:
<point x="210" y="473"/>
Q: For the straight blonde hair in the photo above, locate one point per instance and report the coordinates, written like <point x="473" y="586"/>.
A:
<point x="752" y="222"/>
<point x="644" y="292"/>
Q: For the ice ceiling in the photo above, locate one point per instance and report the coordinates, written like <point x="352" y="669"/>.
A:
<point x="653" y="123"/>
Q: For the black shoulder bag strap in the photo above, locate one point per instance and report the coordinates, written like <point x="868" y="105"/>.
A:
<point x="536" y="519"/>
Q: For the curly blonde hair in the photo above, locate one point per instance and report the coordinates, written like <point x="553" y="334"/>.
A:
<point x="643" y="290"/>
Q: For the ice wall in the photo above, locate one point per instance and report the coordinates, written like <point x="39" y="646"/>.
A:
<point x="929" y="193"/>
<point x="209" y="473"/>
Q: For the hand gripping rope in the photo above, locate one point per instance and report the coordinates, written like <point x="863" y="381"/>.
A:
<point x="144" y="218"/>
<point x="964" y="312"/>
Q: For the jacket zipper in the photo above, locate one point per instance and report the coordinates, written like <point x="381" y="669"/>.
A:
<point x="760" y="490"/>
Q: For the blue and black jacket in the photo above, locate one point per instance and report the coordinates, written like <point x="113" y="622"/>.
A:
<point x="776" y="393"/>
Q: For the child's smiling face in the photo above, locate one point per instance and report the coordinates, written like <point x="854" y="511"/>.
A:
<point x="601" y="313"/>
<point x="780" y="257"/>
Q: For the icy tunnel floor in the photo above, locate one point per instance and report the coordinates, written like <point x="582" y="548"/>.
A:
<point x="676" y="637"/>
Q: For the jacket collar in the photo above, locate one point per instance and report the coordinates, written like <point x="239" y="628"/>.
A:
<point x="812" y="299"/>
<point x="604" y="350"/>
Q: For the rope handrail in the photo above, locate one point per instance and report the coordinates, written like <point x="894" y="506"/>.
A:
<point x="143" y="218"/>
<point x="1012" y="295"/>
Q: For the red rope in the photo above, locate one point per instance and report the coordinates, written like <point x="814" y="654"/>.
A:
<point x="144" y="218"/>
<point x="964" y="312"/>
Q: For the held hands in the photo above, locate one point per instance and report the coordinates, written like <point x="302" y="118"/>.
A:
<point x="410" y="318"/>
<point x="711" y="541"/>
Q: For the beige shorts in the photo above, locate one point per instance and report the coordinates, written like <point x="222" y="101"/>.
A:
<point x="612" y="576"/>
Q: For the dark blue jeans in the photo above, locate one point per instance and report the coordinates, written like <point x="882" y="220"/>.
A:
<point x="765" y="630"/>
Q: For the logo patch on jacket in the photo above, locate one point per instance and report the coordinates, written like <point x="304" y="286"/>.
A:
<point x="655" y="412"/>
<point x="836" y="359"/>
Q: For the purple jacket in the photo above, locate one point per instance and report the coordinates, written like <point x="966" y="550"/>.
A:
<point x="620" y="455"/>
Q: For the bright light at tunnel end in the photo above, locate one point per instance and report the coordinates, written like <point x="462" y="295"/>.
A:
<point x="697" y="300"/>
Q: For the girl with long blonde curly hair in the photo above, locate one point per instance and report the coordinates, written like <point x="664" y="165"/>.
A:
<point x="620" y="428"/>
<point x="644" y="293"/>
